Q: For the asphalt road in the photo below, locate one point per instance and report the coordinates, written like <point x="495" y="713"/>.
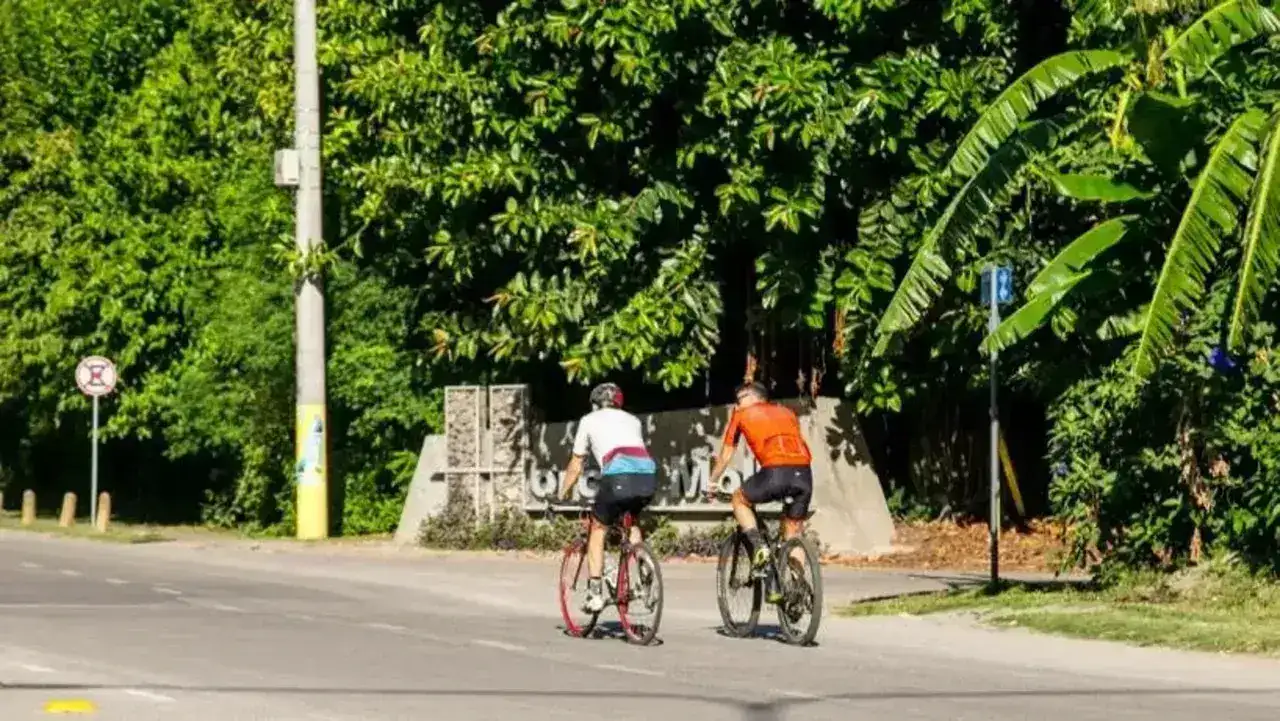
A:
<point x="219" y="634"/>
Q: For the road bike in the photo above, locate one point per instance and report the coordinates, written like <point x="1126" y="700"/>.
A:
<point x="799" y="590"/>
<point x="632" y="583"/>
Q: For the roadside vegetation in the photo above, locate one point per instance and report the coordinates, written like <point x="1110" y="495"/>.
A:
<point x="1221" y="606"/>
<point x="115" y="533"/>
<point x="457" y="528"/>
<point x="670" y="195"/>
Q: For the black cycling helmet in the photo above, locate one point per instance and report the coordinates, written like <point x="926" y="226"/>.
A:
<point x="606" y="395"/>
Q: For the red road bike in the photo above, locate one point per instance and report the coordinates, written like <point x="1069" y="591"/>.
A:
<point x="632" y="583"/>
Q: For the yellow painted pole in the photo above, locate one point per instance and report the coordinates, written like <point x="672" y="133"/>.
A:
<point x="312" y="473"/>
<point x="1013" y="477"/>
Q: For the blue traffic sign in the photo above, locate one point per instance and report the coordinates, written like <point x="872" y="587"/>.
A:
<point x="1004" y="285"/>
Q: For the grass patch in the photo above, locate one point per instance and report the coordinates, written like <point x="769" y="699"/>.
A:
<point x="1219" y="607"/>
<point x="116" y="532"/>
<point x="984" y="599"/>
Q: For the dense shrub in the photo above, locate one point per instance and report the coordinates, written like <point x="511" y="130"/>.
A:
<point x="1162" y="474"/>
<point x="456" y="528"/>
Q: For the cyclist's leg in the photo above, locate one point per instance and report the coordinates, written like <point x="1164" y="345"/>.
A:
<point x="604" y="514"/>
<point x="799" y="482"/>
<point x="645" y="486"/>
<point x="759" y="488"/>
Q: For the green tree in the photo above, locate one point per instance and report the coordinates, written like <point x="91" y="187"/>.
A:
<point x="1237" y="178"/>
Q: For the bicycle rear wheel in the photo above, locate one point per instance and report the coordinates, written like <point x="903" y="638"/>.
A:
<point x="738" y="592"/>
<point x="800" y="611"/>
<point x="573" y="590"/>
<point x="640" y="594"/>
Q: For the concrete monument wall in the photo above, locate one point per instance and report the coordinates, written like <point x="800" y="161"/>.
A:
<point x="511" y="463"/>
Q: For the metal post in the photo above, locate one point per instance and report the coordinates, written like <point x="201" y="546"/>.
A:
<point x="312" y="420"/>
<point x="993" y="323"/>
<point x="93" y="469"/>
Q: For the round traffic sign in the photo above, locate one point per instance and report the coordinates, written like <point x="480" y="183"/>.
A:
<point x="96" y="376"/>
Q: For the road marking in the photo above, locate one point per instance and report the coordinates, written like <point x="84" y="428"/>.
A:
<point x="212" y="605"/>
<point x="33" y="668"/>
<point x="386" y="627"/>
<point x="117" y="582"/>
<point x="800" y="695"/>
<point x="499" y="645"/>
<point x="29" y="564"/>
<point x="69" y="572"/>
<point x="81" y="606"/>
<point x="160" y="698"/>
<point x="170" y="591"/>
<point x="627" y="669"/>
<point x="300" y="617"/>
<point x="70" y="705"/>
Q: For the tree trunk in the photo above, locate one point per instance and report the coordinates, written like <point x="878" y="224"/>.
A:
<point x="1193" y="481"/>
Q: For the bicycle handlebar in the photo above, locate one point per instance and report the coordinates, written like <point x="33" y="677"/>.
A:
<point x="549" y="506"/>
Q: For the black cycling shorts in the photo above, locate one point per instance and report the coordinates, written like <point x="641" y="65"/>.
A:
<point x="623" y="493"/>
<point x="777" y="484"/>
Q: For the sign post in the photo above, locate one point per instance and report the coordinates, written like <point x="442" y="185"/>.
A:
<point x="1001" y="277"/>
<point x="96" y="377"/>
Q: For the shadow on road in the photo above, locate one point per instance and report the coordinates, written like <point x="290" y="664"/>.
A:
<point x="767" y="631"/>
<point x="609" y="630"/>
<point x="770" y="710"/>
<point x="980" y="582"/>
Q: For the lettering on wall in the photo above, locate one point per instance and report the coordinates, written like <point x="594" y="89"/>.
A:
<point x="681" y="481"/>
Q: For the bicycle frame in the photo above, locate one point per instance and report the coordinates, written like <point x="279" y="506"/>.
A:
<point x="773" y="578"/>
<point x="588" y="521"/>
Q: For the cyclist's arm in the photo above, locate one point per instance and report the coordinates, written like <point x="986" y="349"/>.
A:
<point x="572" y="473"/>
<point x="722" y="464"/>
<point x="727" y="446"/>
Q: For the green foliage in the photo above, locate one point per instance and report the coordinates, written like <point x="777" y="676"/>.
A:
<point x="457" y="528"/>
<point x="1261" y="257"/>
<point x="1220" y="188"/>
<point x="523" y="190"/>
<point x="509" y="188"/>
<point x="1141" y="467"/>
<point x="1055" y="280"/>
<point x="1209" y="216"/>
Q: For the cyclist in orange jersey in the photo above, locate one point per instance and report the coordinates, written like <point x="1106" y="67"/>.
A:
<point x="773" y="434"/>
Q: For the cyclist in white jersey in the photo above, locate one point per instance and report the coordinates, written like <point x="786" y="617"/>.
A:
<point x="628" y="476"/>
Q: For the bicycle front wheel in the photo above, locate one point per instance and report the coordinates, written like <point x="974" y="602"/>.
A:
<point x="800" y="611"/>
<point x="573" y="590"/>
<point x="640" y="594"/>
<point x="738" y="591"/>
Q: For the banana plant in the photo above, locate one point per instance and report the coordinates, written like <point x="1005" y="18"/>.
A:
<point x="1055" y="280"/>
<point x="1239" y="178"/>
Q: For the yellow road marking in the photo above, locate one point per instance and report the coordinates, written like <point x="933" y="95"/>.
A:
<point x="72" y="705"/>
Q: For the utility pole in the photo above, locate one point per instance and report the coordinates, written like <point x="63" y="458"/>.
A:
<point x="300" y="167"/>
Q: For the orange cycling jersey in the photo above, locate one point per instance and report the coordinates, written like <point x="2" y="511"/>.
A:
<point x="773" y="435"/>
